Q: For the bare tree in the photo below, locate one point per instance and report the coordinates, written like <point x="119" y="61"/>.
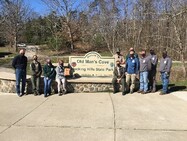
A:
<point x="105" y="18"/>
<point x="178" y="18"/>
<point x="66" y="10"/>
<point x="16" y="13"/>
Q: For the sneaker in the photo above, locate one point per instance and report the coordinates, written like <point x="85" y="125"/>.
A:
<point x="35" y="93"/>
<point x="144" y="92"/>
<point x="114" y="92"/>
<point x="162" y="93"/>
<point x="123" y="93"/>
<point x="139" y="91"/>
<point x="127" y="91"/>
<point x="59" y="93"/>
<point x="23" y="94"/>
<point x="153" y="91"/>
<point x="19" y="94"/>
<point x="38" y="93"/>
<point x="131" y="91"/>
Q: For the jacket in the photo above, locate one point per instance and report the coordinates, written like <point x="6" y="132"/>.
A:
<point x="135" y="55"/>
<point x="20" y="62"/>
<point x="122" y="72"/>
<point x="36" y="68"/>
<point x="145" y="64"/>
<point x="60" y="72"/>
<point x="49" y="71"/>
<point x="165" y="64"/>
<point x="154" y="61"/>
<point x="132" y="66"/>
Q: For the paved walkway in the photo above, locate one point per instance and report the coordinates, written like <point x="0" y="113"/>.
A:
<point x="94" y="117"/>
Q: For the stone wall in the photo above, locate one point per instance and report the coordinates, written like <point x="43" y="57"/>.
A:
<point x="9" y="86"/>
<point x="89" y="87"/>
<point x="8" y="82"/>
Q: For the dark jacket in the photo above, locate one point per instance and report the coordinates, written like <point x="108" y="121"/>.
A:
<point x="165" y="64"/>
<point x="122" y="72"/>
<point x="154" y="61"/>
<point x="20" y="62"/>
<point x="132" y="66"/>
<point x="49" y="71"/>
<point x="36" y="70"/>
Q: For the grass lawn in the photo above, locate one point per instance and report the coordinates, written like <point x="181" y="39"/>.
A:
<point x="4" y="49"/>
<point x="5" y="62"/>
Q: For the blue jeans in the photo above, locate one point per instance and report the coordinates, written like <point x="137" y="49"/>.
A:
<point x="47" y="86"/>
<point x="165" y="82"/>
<point x="144" y="81"/>
<point x="20" y="77"/>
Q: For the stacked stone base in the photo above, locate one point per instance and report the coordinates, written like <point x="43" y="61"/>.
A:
<point x="86" y="87"/>
<point x="9" y="86"/>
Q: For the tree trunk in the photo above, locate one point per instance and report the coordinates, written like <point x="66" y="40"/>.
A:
<point x="181" y="49"/>
<point x="15" y="44"/>
<point x="70" y="38"/>
<point x="184" y="68"/>
<point x="113" y="40"/>
<point x="108" y="45"/>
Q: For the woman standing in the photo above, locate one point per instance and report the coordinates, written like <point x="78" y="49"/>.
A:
<point x="49" y="74"/>
<point x="60" y="78"/>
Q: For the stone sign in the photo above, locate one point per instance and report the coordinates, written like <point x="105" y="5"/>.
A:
<point x="92" y="64"/>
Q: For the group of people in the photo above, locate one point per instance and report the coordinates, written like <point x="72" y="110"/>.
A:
<point x="125" y="72"/>
<point x="50" y="73"/>
<point x="144" y="68"/>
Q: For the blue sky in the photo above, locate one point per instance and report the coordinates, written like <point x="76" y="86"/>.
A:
<point x="37" y="6"/>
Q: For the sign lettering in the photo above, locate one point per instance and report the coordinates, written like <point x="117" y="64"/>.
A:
<point x="92" y="64"/>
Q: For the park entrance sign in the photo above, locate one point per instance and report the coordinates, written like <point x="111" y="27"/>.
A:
<point x="92" y="64"/>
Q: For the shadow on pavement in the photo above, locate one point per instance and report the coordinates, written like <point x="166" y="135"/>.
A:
<point x="173" y="88"/>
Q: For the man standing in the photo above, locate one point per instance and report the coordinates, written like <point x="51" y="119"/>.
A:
<point x="49" y="74"/>
<point x="165" y="68"/>
<point x="135" y="54"/>
<point x="152" y="72"/>
<point x="36" y="71"/>
<point x="131" y="70"/>
<point x="20" y="64"/>
<point x="118" y="78"/>
<point x="119" y="57"/>
<point x="145" y="66"/>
